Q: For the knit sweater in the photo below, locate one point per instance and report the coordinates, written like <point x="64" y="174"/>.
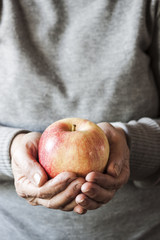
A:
<point x="97" y="60"/>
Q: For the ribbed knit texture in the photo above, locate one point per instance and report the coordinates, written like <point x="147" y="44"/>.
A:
<point x="144" y="134"/>
<point x="141" y="135"/>
<point x="7" y="134"/>
<point x="98" y="60"/>
<point x="77" y="76"/>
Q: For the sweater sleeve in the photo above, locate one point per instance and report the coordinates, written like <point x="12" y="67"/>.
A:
<point x="144" y="135"/>
<point x="6" y="136"/>
<point x="144" y="142"/>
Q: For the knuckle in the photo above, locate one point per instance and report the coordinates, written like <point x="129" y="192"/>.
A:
<point x="66" y="177"/>
<point x="77" y="185"/>
<point x="90" y="189"/>
<point x="69" y="194"/>
<point x="58" y="179"/>
<point x="44" y="196"/>
<point x="92" y="193"/>
<point x="69" y="175"/>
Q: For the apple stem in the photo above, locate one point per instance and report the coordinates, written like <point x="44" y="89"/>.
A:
<point x="73" y="127"/>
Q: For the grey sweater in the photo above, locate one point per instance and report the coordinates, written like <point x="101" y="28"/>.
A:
<point x="91" y="59"/>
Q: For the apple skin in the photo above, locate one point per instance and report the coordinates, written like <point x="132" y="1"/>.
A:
<point x="81" y="150"/>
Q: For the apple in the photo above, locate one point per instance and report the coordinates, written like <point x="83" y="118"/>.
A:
<point x="74" y="145"/>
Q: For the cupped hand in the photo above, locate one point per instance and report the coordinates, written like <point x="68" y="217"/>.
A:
<point x="31" y="180"/>
<point x="100" y="188"/>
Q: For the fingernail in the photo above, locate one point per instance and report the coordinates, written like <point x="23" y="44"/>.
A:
<point x="80" y="201"/>
<point x="85" y="190"/>
<point x="84" y="202"/>
<point x="37" y="178"/>
<point x="117" y="169"/>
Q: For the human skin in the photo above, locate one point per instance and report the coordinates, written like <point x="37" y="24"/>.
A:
<point x="100" y="188"/>
<point x="66" y="191"/>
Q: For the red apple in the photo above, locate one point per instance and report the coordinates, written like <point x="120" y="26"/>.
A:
<point x="74" y="145"/>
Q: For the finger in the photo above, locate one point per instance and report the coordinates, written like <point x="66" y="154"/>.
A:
<point x="24" y="164"/>
<point x="115" y="163"/>
<point x="87" y="203"/>
<point x="117" y="159"/>
<point x="70" y="206"/>
<point x="63" y="198"/>
<point x="119" y="151"/>
<point x="108" y="182"/>
<point x="97" y="193"/>
<point x="107" y="129"/>
<point x="80" y="210"/>
<point x="56" y="185"/>
<point x="51" y="188"/>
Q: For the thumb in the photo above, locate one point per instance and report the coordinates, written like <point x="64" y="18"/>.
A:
<point x="24" y="164"/>
<point x="37" y="176"/>
<point x="114" y="166"/>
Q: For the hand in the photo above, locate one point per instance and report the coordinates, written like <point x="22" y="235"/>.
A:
<point x="100" y="188"/>
<point x="31" y="180"/>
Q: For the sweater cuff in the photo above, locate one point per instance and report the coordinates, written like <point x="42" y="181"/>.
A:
<point x="143" y="139"/>
<point x="6" y="136"/>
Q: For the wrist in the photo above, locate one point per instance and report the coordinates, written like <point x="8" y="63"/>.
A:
<point x="124" y="134"/>
<point x="121" y="126"/>
<point x="15" y="143"/>
<point x="121" y="131"/>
